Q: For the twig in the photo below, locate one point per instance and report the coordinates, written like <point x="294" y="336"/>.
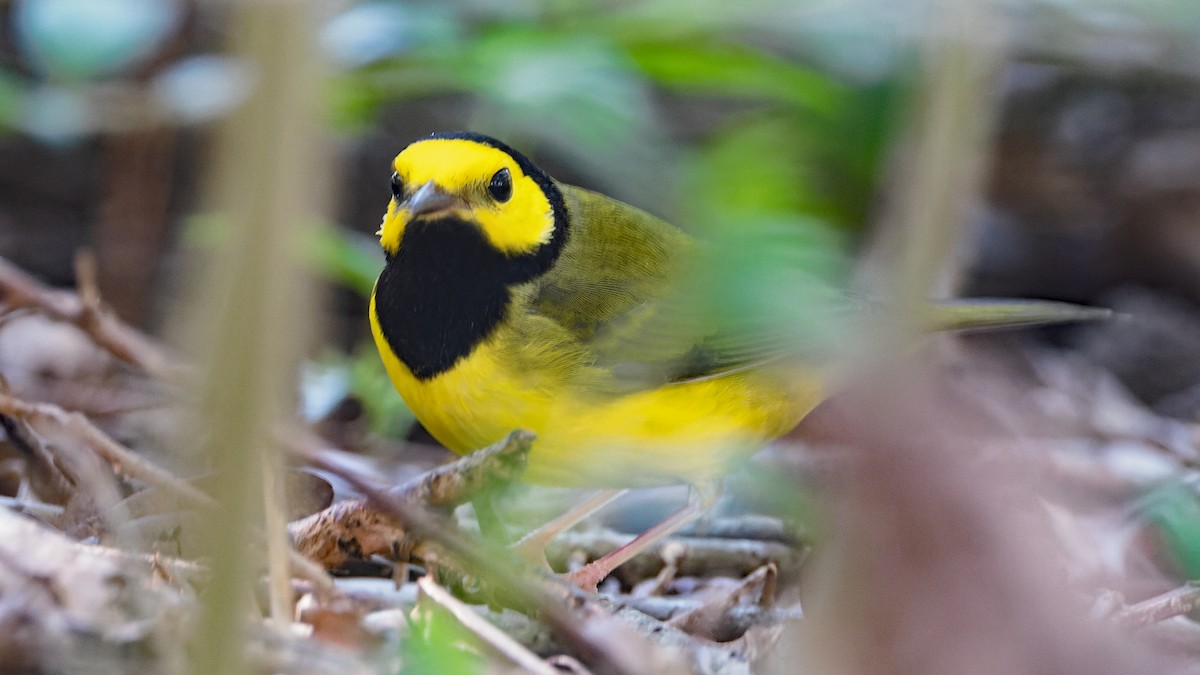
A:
<point x="38" y="509"/>
<point x="750" y="527"/>
<point x="609" y="650"/>
<point x="175" y="571"/>
<point x="345" y="531"/>
<point x="20" y="290"/>
<point x="713" y="618"/>
<point x="1173" y="603"/>
<point x="454" y="483"/>
<point x="664" y="607"/>
<point x="131" y="465"/>
<point x="356" y="529"/>
<point x="304" y="568"/>
<point x="702" y="555"/>
<point x="487" y="633"/>
<point x="276" y="534"/>
<point x="123" y="460"/>
<point x="48" y="478"/>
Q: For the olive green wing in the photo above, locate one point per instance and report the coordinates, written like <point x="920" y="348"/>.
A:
<point x="624" y="289"/>
<point x="643" y="301"/>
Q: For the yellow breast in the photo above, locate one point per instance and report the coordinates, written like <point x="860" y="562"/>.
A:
<point x="684" y="432"/>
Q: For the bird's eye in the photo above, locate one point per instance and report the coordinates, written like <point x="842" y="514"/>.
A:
<point x="501" y="186"/>
<point x="397" y="187"/>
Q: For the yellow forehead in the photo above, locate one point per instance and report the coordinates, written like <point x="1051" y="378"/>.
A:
<point x="452" y="163"/>
<point x="464" y="167"/>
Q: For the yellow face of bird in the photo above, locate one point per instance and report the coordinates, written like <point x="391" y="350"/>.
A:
<point x="470" y="179"/>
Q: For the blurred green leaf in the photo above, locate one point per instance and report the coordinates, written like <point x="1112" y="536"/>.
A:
<point x="12" y="96"/>
<point x="360" y="374"/>
<point x="438" y="643"/>
<point x="579" y="83"/>
<point x="351" y="103"/>
<point x="339" y="255"/>
<point x="345" y="257"/>
<point x="1174" y="509"/>
<point x="758" y="164"/>
<point x="729" y="69"/>
<point x="387" y="413"/>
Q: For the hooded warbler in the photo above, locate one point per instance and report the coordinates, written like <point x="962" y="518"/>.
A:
<point x="509" y="300"/>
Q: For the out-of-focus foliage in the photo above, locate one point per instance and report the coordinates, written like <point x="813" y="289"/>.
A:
<point x="335" y="375"/>
<point x="604" y="89"/>
<point x="765" y="125"/>
<point x="1174" y="510"/>
<point x="345" y="258"/>
<point x="438" y="643"/>
<point x="79" y="39"/>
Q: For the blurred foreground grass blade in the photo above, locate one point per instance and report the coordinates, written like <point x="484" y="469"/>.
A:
<point x="249" y="324"/>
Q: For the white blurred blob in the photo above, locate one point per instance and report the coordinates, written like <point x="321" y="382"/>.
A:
<point x="366" y="33"/>
<point x="203" y="88"/>
<point x="56" y="115"/>
<point x="321" y="388"/>
<point x="81" y="39"/>
<point x="34" y="349"/>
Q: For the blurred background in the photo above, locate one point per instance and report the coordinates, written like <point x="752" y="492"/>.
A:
<point x="704" y="112"/>
<point x="694" y="111"/>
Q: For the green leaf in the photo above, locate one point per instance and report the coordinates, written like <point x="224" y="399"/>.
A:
<point x="1174" y="509"/>
<point x="386" y="412"/>
<point x="729" y="69"/>
<point x="12" y="96"/>
<point x="438" y="643"/>
<point x="345" y="257"/>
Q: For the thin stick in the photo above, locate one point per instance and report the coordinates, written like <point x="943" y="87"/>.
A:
<point x="356" y="528"/>
<point x="123" y="460"/>
<point x="275" y="525"/>
<point x="20" y="290"/>
<point x="1173" y="603"/>
<point x="487" y="632"/>
<point x="495" y="568"/>
<point x="454" y="483"/>
<point x="39" y="509"/>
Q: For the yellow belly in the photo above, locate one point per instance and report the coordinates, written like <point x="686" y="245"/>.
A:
<point x="686" y="432"/>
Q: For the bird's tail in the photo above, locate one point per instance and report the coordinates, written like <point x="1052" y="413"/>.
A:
<point x="995" y="313"/>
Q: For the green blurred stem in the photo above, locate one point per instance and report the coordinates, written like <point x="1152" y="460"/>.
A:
<point x="266" y="177"/>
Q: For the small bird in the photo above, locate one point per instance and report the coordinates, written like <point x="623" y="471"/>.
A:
<point x="512" y="301"/>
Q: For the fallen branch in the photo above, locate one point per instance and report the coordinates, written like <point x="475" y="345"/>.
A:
<point x="348" y="530"/>
<point x="702" y="555"/>
<point x="356" y="529"/>
<point x="456" y="482"/>
<point x="664" y="607"/>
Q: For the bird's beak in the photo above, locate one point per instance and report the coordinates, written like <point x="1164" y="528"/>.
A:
<point x="428" y="200"/>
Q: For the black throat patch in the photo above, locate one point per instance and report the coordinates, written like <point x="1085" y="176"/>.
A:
<point x="445" y="291"/>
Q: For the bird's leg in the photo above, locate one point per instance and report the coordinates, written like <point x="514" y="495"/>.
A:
<point x="533" y="545"/>
<point x="700" y="499"/>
